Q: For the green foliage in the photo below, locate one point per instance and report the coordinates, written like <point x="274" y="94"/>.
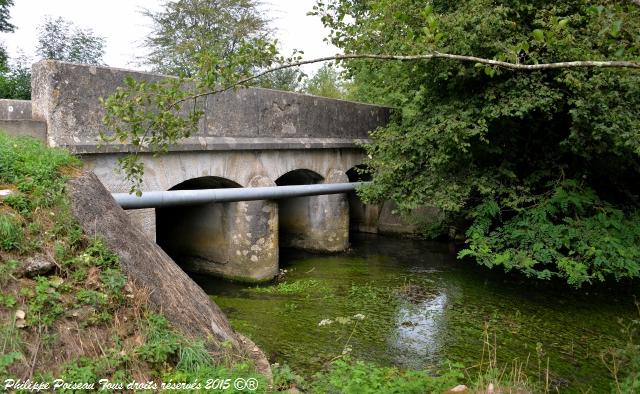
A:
<point x="302" y="287"/>
<point x="346" y="376"/>
<point x="10" y="231"/>
<point x="44" y="302"/>
<point x="570" y="234"/>
<point x="59" y="39"/>
<point x="5" y="25"/>
<point x="15" y="80"/>
<point x="325" y="83"/>
<point x="144" y="114"/>
<point x="6" y="359"/>
<point x="487" y="145"/>
<point x="161" y="343"/>
<point x="284" y="377"/>
<point x="287" y="79"/>
<point x="8" y="301"/>
<point x="624" y="362"/>
<point x="6" y="269"/>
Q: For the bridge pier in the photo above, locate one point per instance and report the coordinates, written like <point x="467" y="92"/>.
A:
<point x="318" y="223"/>
<point x="237" y="240"/>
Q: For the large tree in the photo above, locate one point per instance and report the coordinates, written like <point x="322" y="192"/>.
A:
<point x="542" y="168"/>
<point x="325" y="82"/>
<point x="59" y="39"/>
<point x="187" y="30"/>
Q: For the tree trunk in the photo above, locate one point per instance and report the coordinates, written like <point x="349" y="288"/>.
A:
<point x="172" y="291"/>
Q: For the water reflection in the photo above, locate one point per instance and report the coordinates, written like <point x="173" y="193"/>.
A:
<point x="416" y="339"/>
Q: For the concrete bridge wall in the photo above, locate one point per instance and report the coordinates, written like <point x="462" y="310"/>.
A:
<point x="66" y="97"/>
<point x="241" y="239"/>
<point x="247" y="138"/>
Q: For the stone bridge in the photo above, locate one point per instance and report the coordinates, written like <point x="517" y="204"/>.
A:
<point x="246" y="138"/>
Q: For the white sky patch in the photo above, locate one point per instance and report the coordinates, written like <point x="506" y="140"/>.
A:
<point x="123" y="26"/>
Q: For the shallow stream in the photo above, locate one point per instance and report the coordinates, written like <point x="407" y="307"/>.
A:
<point x="410" y="303"/>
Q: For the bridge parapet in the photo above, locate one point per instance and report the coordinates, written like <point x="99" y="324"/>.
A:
<point x="66" y="97"/>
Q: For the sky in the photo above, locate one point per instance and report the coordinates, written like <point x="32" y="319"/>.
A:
<point x="123" y="26"/>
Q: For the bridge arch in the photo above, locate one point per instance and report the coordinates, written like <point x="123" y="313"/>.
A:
<point x="301" y="176"/>
<point x="236" y="240"/>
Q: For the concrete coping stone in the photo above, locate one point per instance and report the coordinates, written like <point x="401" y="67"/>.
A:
<point x="231" y="144"/>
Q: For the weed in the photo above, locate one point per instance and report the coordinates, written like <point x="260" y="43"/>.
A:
<point x="624" y="363"/>
<point x="348" y="376"/>
<point x="91" y="298"/>
<point x="11" y="234"/>
<point x="284" y="377"/>
<point x="44" y="303"/>
<point x="509" y="377"/>
<point x="114" y="281"/>
<point x="286" y="288"/>
<point x="8" y="301"/>
<point x="34" y="169"/>
<point x="161" y="342"/>
<point x="6" y="270"/>
<point x="193" y="357"/>
<point x="6" y="359"/>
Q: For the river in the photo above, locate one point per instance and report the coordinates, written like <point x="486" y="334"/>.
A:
<point x="411" y="303"/>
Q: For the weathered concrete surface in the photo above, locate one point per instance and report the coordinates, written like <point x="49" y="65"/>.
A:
<point x="317" y="223"/>
<point x="19" y="128"/>
<point x="234" y="240"/>
<point x="392" y="222"/>
<point x="15" y="109"/>
<point x="66" y="96"/>
<point x="363" y="218"/>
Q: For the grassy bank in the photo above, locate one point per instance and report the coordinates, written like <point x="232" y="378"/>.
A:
<point x="66" y="309"/>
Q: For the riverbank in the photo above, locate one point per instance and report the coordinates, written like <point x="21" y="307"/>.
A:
<point x="68" y="313"/>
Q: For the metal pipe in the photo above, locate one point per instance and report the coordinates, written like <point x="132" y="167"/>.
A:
<point x="171" y="198"/>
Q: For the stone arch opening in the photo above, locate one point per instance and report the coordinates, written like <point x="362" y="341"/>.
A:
<point x="362" y="217"/>
<point x="235" y="240"/>
<point x="299" y="177"/>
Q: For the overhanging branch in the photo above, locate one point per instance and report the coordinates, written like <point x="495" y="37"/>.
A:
<point x="435" y="55"/>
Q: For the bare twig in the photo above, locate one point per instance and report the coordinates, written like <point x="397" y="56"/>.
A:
<point x="431" y="56"/>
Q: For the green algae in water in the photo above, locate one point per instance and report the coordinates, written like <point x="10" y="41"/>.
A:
<point x="421" y="306"/>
